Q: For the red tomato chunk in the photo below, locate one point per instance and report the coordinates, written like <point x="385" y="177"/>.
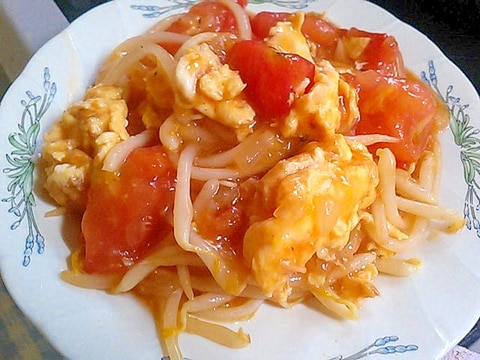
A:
<point x="315" y="28"/>
<point x="381" y="54"/>
<point x="403" y="108"/>
<point x="125" y="213"/>
<point x="273" y="79"/>
<point x="205" y="17"/>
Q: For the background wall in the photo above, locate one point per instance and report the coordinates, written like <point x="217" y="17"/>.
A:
<point x="3" y="82"/>
<point x="454" y="25"/>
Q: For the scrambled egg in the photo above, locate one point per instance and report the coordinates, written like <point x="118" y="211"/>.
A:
<point x="213" y="89"/>
<point x="81" y="140"/>
<point x="287" y="37"/>
<point x="316" y="114"/>
<point x="306" y="205"/>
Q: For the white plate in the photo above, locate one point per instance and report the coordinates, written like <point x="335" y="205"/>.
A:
<point x="422" y="316"/>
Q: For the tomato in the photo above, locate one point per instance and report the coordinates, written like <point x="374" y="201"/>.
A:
<point x="242" y="3"/>
<point x="382" y="53"/>
<point x="314" y="28"/>
<point x="125" y="213"/>
<point x="404" y="108"/>
<point x="207" y="16"/>
<point x="273" y="79"/>
<point x="224" y="221"/>
<point x="320" y="31"/>
<point x="263" y="21"/>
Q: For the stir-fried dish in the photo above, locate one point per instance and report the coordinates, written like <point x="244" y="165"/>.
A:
<point x="224" y="159"/>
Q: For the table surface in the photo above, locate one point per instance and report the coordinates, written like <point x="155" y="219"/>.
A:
<point x="453" y="26"/>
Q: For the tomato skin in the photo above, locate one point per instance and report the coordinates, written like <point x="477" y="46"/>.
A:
<point x="382" y="53"/>
<point x="320" y="31"/>
<point x="206" y="16"/>
<point x="263" y="21"/>
<point x="125" y="214"/>
<point x="272" y="78"/>
<point x="404" y="108"/>
<point x="314" y="28"/>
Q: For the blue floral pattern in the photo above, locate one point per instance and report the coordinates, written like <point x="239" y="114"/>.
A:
<point x="154" y="11"/>
<point x="288" y="4"/>
<point x="379" y="347"/>
<point x="466" y="138"/>
<point x="20" y="172"/>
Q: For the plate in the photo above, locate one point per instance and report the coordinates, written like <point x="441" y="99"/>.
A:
<point x="419" y="317"/>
